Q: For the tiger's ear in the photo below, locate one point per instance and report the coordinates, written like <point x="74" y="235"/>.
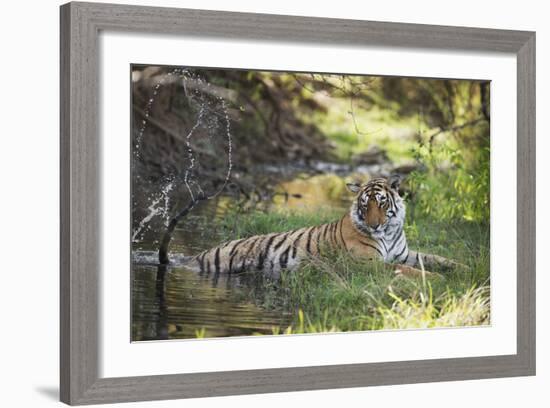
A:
<point x="395" y="181"/>
<point x="353" y="187"/>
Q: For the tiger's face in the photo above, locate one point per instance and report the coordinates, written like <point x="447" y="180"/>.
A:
<point x="378" y="209"/>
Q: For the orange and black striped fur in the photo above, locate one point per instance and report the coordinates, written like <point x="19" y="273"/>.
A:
<point x="373" y="228"/>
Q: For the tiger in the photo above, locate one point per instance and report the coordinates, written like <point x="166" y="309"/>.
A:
<point x="371" y="229"/>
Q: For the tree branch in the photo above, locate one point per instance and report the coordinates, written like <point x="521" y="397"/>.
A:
<point x="455" y="128"/>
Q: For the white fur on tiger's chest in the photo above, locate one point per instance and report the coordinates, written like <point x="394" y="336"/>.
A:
<point x="393" y="245"/>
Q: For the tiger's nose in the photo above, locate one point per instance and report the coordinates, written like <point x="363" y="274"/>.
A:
<point x="375" y="227"/>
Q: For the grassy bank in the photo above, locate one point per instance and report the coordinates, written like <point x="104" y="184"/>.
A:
<point x="340" y="292"/>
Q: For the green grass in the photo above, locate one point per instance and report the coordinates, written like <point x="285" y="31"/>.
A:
<point x="447" y="216"/>
<point x="340" y="292"/>
<point x="352" y="134"/>
<point x="241" y="225"/>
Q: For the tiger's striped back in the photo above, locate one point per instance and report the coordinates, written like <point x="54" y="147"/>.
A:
<point x="373" y="228"/>
<point x="269" y="253"/>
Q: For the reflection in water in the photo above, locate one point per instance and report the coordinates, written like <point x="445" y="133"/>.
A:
<point x="175" y="303"/>
<point x="160" y="293"/>
<point x="310" y="193"/>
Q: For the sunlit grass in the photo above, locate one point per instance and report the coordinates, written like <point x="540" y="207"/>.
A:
<point x="340" y="292"/>
<point x="470" y="309"/>
<point x="354" y="131"/>
<point x="259" y="222"/>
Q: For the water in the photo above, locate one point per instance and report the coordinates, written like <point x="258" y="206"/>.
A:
<point x="176" y="303"/>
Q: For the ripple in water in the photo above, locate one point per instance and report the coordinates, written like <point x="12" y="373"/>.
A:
<point x="176" y="303"/>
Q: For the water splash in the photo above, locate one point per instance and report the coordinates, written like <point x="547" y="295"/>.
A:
<point x="160" y="202"/>
<point x="191" y="153"/>
<point x="160" y="206"/>
<point x="229" y="149"/>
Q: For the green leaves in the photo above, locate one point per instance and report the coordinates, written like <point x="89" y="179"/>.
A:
<point x="451" y="187"/>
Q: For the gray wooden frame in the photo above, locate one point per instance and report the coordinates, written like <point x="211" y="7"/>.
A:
<point x="80" y="234"/>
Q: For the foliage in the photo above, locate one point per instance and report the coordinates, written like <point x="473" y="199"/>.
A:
<point x="459" y="192"/>
<point x="287" y="118"/>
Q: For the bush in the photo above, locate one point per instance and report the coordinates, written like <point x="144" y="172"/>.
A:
<point x="451" y="186"/>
